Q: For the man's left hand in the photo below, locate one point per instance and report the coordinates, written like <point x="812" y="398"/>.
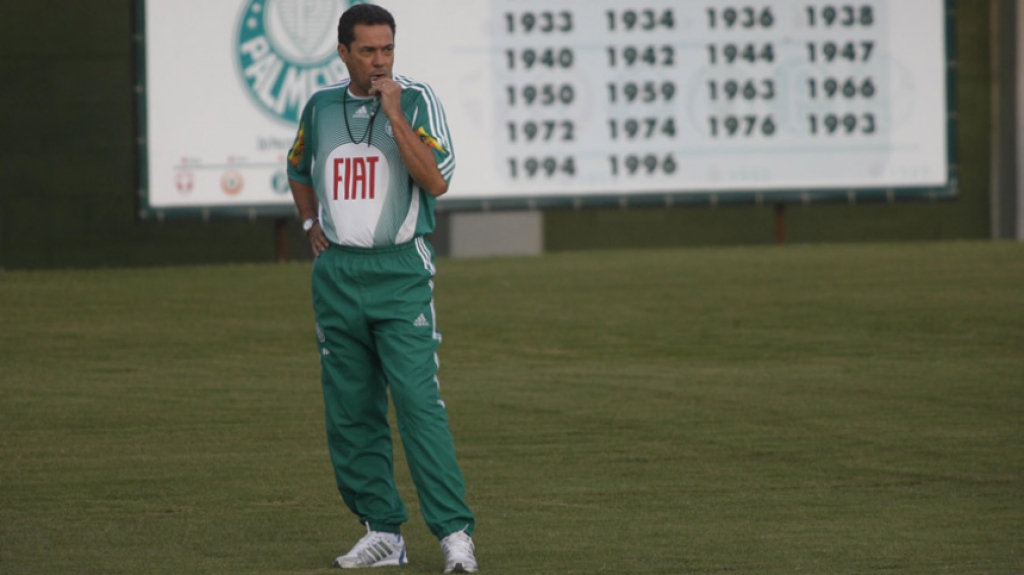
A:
<point x="390" y="94"/>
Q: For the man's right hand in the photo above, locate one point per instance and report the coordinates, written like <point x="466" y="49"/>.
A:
<point x="305" y="202"/>
<point x="317" y="239"/>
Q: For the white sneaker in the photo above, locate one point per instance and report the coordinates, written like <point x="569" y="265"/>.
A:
<point x="375" y="549"/>
<point x="458" y="553"/>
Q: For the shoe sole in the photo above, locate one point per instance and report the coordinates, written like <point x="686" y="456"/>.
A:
<point x="403" y="560"/>
<point x="381" y="564"/>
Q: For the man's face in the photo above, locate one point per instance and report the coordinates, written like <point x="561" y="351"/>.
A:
<point x="370" y="56"/>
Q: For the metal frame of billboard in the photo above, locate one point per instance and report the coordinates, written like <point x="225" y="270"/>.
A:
<point x="949" y="191"/>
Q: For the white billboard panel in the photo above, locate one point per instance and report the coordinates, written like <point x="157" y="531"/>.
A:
<point x="567" y="98"/>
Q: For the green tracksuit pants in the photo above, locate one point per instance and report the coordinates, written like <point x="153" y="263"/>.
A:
<point x="376" y="331"/>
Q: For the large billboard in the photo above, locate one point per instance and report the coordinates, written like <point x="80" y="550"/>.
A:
<point x="569" y="102"/>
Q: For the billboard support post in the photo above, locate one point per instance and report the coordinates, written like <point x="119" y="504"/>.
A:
<point x="1007" y="196"/>
<point x="780" y="224"/>
<point x="281" y="239"/>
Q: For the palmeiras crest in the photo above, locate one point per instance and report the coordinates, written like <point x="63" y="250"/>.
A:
<point x="287" y="49"/>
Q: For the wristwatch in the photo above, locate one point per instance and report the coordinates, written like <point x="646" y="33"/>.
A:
<point x="308" y="224"/>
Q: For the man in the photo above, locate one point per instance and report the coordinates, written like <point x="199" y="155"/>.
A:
<point x="371" y="155"/>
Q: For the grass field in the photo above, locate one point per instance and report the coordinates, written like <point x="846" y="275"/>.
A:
<point x="834" y="409"/>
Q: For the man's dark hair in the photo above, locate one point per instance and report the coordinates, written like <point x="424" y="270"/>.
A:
<point x="368" y="14"/>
